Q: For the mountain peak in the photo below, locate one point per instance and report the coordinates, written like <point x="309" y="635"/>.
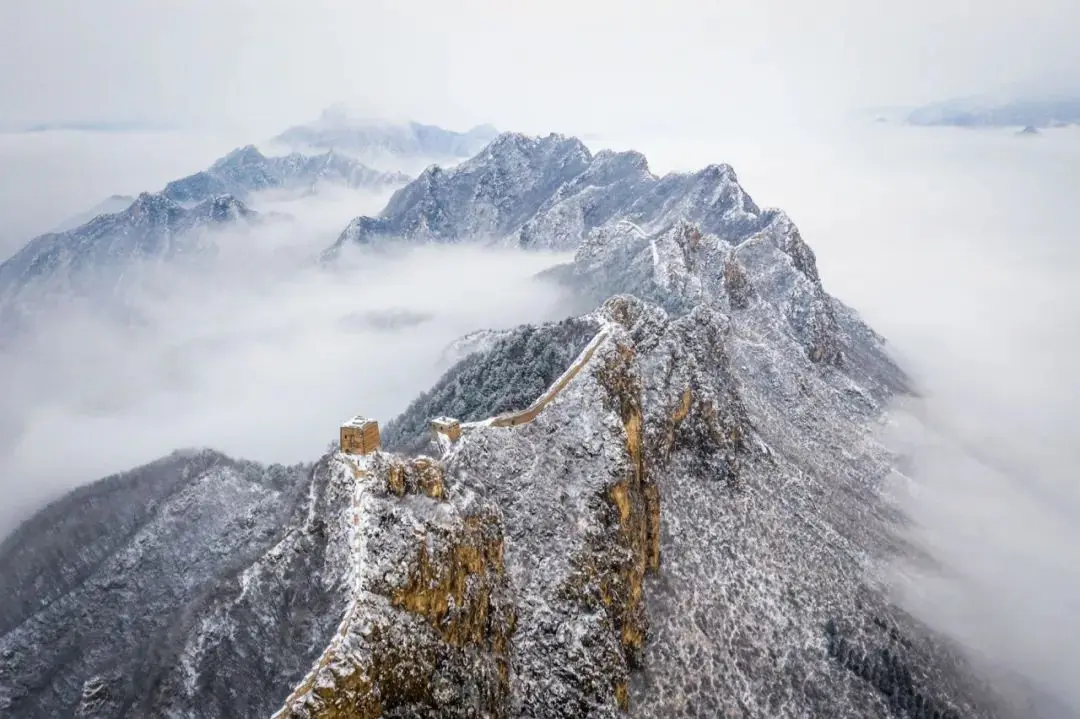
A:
<point x="221" y="208"/>
<point x="550" y="192"/>
<point x="718" y="170"/>
<point x="342" y="130"/>
<point x="149" y="204"/>
<point x="246" y="155"/>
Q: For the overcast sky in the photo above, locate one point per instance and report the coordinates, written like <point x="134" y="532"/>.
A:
<point x="531" y="65"/>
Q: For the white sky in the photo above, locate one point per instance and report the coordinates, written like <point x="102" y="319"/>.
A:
<point x="576" y="66"/>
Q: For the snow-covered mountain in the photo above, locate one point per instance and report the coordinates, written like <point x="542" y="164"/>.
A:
<point x="246" y="170"/>
<point x="91" y="260"/>
<point x="94" y="257"/>
<point x="667" y="506"/>
<point x="549" y="193"/>
<point x="373" y="139"/>
<point x="109" y="578"/>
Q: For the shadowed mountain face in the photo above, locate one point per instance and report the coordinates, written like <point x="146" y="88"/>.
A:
<point x="687" y="523"/>
<point x="549" y="193"/>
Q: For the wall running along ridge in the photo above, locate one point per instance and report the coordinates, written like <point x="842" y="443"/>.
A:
<point x="430" y="631"/>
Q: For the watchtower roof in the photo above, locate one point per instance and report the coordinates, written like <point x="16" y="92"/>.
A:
<point x="359" y="421"/>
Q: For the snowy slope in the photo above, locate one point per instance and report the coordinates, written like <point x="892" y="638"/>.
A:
<point x="100" y="585"/>
<point x="679" y="537"/>
<point x="90" y="259"/>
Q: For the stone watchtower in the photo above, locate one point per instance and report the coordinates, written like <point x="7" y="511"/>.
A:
<point x="359" y="435"/>
<point x="447" y="426"/>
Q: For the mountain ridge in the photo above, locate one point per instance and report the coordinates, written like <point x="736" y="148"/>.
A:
<point x="549" y="193"/>
<point x="93" y="257"/>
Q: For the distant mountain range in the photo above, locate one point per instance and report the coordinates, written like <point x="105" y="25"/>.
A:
<point x="372" y="139"/>
<point x="247" y="170"/>
<point x="91" y="260"/>
<point x="1002" y="110"/>
<point x="88" y="256"/>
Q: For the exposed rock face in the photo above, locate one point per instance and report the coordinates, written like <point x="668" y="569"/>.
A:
<point x="770" y="275"/>
<point x="549" y="193"/>
<point x="676" y="543"/>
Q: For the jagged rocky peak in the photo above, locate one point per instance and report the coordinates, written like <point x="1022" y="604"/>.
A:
<point x="151" y="207"/>
<point x="246" y="155"/>
<point x="770" y="274"/>
<point x="247" y="170"/>
<point x="667" y="506"/>
<point x="153" y="225"/>
<point x="454" y="613"/>
<point x="224" y="208"/>
<point x="508" y="144"/>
